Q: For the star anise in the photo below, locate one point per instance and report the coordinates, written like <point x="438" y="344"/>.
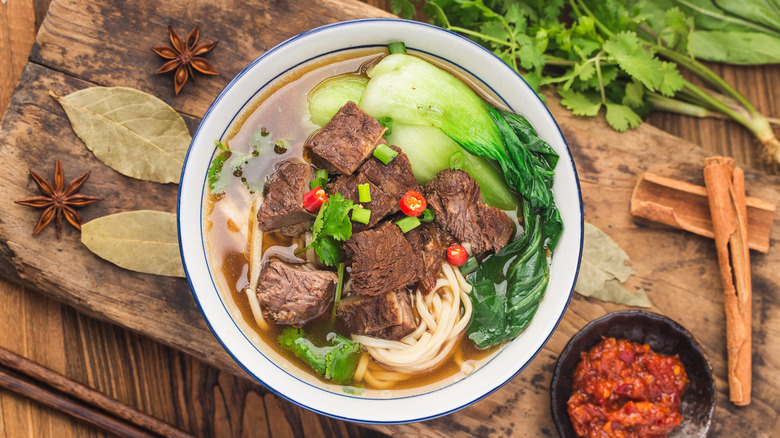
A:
<point x="58" y="200"/>
<point x="184" y="56"/>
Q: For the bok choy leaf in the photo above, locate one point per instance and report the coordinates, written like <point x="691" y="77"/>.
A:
<point x="509" y="285"/>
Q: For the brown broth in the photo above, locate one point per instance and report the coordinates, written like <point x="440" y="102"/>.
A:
<point x="280" y="110"/>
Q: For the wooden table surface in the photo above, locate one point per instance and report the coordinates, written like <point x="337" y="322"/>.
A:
<point x="200" y="398"/>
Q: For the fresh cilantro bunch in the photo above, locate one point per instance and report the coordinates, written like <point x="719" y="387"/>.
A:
<point x="623" y="56"/>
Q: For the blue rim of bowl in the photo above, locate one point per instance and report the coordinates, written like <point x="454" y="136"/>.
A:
<point x="197" y="300"/>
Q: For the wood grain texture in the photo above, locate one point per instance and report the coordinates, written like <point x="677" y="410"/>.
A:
<point x="17" y="32"/>
<point x="678" y="270"/>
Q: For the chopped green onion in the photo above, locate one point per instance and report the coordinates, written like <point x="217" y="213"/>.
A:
<point x="360" y="214"/>
<point x="387" y="122"/>
<point x="384" y="153"/>
<point x="470" y="266"/>
<point x="408" y="223"/>
<point x="457" y="160"/>
<point x="396" y="47"/>
<point x="427" y="215"/>
<point x="320" y="179"/>
<point x="364" y="193"/>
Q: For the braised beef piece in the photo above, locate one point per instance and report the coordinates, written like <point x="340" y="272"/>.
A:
<point x="381" y="204"/>
<point x="386" y="316"/>
<point x="346" y="141"/>
<point x="395" y="178"/>
<point x="431" y="243"/>
<point x="294" y="293"/>
<point x="382" y="260"/>
<point x="282" y="207"/>
<point x="455" y="198"/>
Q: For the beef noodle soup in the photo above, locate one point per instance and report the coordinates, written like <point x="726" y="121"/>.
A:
<point x="344" y="252"/>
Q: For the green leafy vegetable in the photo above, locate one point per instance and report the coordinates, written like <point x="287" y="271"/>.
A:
<point x="331" y="226"/>
<point x="336" y="362"/>
<point x="622" y="57"/>
<point x="508" y="286"/>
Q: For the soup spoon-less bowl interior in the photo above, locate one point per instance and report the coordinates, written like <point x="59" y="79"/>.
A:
<point x="258" y="360"/>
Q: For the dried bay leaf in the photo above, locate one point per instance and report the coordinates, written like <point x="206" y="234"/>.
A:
<point x="604" y="269"/>
<point x="133" y="132"/>
<point x="142" y="241"/>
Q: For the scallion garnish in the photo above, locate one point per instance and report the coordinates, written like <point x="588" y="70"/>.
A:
<point x="408" y="223"/>
<point x="384" y="153"/>
<point x="360" y="214"/>
<point x="320" y="179"/>
<point x="396" y="47"/>
<point x="427" y="215"/>
<point x="457" y="160"/>
<point x="364" y="192"/>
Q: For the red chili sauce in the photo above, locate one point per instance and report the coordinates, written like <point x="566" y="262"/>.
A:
<point x="624" y="389"/>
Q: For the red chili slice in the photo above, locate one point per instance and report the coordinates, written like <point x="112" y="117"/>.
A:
<point x="457" y="255"/>
<point x="413" y="203"/>
<point x="314" y="198"/>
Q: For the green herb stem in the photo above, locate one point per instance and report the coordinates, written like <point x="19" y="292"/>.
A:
<point x="590" y="14"/>
<point x="339" y="287"/>
<point x="705" y="73"/>
<point x="364" y="192"/>
<point x="669" y="104"/>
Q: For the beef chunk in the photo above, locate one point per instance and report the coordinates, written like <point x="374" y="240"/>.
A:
<point x="282" y="208"/>
<point x="293" y="294"/>
<point x="381" y="204"/>
<point x="455" y="198"/>
<point x="431" y="243"/>
<point x="382" y="260"/>
<point x="346" y="141"/>
<point x="386" y="316"/>
<point x="395" y="178"/>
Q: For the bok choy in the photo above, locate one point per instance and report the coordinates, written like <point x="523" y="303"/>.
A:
<point x="412" y="91"/>
<point x="508" y="285"/>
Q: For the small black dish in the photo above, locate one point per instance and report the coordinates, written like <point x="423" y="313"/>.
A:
<point x="665" y="337"/>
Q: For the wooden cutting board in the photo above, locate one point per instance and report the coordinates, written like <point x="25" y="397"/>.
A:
<point x="84" y="43"/>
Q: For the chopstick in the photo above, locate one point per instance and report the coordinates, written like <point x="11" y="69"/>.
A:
<point x="57" y="392"/>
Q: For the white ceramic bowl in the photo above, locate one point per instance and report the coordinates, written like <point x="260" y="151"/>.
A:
<point x="283" y="379"/>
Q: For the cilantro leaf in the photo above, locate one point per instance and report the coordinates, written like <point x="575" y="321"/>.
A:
<point x="621" y="117"/>
<point x="580" y="104"/>
<point x="672" y="81"/>
<point x="634" y="94"/>
<point x="216" y="183"/>
<point x="336" y="362"/>
<point x="635" y="60"/>
<point x="331" y="226"/>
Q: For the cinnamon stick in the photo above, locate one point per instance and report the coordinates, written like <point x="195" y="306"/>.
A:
<point x="685" y="206"/>
<point x="726" y="194"/>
